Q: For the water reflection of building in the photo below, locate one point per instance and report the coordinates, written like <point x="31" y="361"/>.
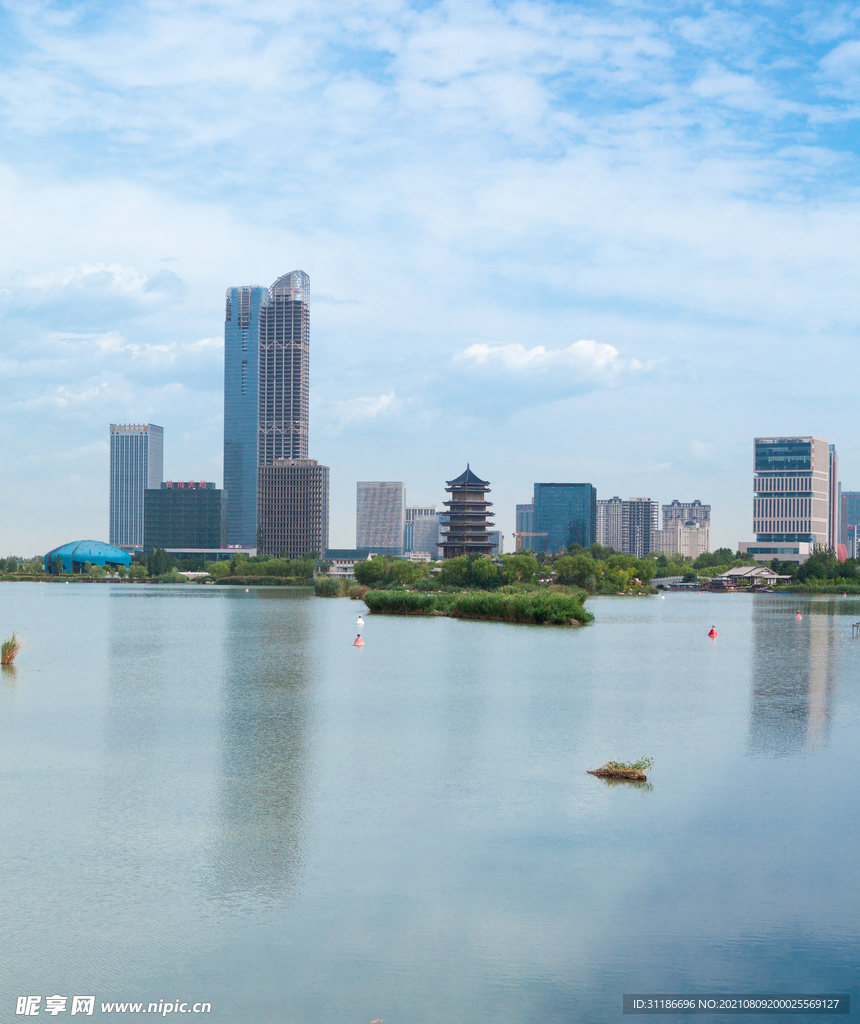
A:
<point x="262" y="764"/>
<point x="793" y="679"/>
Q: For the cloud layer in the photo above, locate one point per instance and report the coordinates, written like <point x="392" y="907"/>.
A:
<point x="471" y="185"/>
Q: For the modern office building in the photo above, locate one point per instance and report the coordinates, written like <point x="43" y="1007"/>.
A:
<point x="266" y="382"/>
<point x="292" y="508"/>
<point x="610" y="523"/>
<point x="185" y="515"/>
<point x="497" y="541"/>
<point x="849" y="521"/>
<point x="466" y="523"/>
<point x="686" y="512"/>
<point x="136" y="463"/>
<point x="833" y="503"/>
<point x="678" y="538"/>
<point x="380" y="514"/>
<point x="421" y="533"/>
<point x="564" y="514"/>
<point x="791" y="503"/>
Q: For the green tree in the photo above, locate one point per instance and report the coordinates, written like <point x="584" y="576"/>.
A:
<point x="158" y="562"/>
<point x="578" y="570"/>
<point x="521" y="567"/>
<point x="136" y="571"/>
<point x="372" y="572"/>
<point x="720" y="557"/>
<point x="57" y="567"/>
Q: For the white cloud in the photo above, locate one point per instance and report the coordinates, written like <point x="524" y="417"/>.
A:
<point x="585" y="358"/>
<point x="367" y="408"/>
<point x="115" y="276"/>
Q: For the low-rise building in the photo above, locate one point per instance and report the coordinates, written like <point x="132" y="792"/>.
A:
<point x="784" y="551"/>
<point x="752" y="574"/>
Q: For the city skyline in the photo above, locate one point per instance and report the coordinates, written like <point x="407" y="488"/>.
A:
<point x="689" y="212"/>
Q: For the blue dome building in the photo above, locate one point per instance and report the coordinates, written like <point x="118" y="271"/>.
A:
<point x="77" y="553"/>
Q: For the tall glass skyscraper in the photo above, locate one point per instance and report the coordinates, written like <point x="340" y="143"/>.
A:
<point x="266" y="374"/>
<point x="564" y="514"/>
<point x="136" y="463"/>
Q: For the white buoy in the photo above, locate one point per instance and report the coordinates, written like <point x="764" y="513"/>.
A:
<point x="359" y="621"/>
<point x="247" y="591"/>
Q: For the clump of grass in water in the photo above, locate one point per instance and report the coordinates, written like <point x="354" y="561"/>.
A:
<point x="9" y="649"/>
<point x="632" y="766"/>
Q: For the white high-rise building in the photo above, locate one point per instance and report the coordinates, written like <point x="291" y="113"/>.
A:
<point x="627" y="525"/>
<point x="380" y="515"/>
<point x="686" y="512"/>
<point x="610" y="523"/>
<point x="679" y="538"/>
<point x="136" y="463"/>
<point x="794" y="479"/>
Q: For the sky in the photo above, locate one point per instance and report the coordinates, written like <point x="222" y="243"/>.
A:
<point x="603" y="242"/>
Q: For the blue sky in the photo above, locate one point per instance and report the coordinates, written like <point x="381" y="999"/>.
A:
<point x="585" y="241"/>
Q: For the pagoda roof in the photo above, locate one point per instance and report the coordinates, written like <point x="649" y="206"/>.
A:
<point x="468" y="477"/>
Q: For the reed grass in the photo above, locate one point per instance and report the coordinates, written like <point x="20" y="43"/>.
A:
<point x="640" y="765"/>
<point x="536" y="607"/>
<point x="9" y="649"/>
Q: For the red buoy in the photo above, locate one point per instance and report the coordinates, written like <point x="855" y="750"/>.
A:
<point x="712" y="633"/>
<point x="798" y="616"/>
<point x="358" y="642"/>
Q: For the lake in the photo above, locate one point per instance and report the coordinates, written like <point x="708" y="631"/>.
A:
<point x="210" y="795"/>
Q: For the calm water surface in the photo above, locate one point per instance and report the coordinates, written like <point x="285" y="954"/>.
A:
<point x="210" y="795"/>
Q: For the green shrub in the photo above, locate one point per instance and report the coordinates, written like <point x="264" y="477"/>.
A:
<point x="326" y="586"/>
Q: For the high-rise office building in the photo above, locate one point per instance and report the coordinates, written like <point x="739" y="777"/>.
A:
<point x="564" y="514"/>
<point x="421" y="533"/>
<point x="791" y="503"/>
<point x="185" y="515"/>
<point x="465" y="524"/>
<point x="380" y="515"/>
<point x="497" y="540"/>
<point x="293" y="513"/>
<point x="832" y="497"/>
<point x="849" y="521"/>
<point x="611" y="523"/>
<point x="136" y="463"/>
<point x="266" y="381"/>
<point x="686" y="512"/>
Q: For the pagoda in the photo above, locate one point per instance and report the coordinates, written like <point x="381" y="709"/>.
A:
<point x="467" y="515"/>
